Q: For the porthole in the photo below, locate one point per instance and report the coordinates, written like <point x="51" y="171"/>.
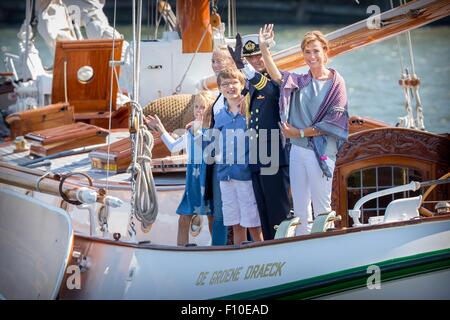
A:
<point x="85" y="74"/>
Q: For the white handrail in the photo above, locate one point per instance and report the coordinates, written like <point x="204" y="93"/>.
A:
<point x="356" y="212"/>
<point x="412" y="186"/>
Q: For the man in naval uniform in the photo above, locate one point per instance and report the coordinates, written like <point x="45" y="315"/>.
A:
<point x="271" y="187"/>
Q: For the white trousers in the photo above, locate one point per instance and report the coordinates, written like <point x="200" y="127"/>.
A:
<point x="239" y="204"/>
<point x="308" y="184"/>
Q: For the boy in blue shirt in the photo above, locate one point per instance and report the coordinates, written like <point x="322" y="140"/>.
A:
<point x="238" y="199"/>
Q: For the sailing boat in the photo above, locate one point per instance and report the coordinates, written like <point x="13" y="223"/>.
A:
<point x="49" y="251"/>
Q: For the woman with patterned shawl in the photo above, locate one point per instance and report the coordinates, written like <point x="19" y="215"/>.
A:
<point x="314" y="117"/>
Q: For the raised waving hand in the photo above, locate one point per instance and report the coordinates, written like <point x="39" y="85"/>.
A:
<point x="266" y="36"/>
<point x="266" y="40"/>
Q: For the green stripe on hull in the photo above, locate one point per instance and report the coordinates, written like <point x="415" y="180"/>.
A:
<point x="351" y="278"/>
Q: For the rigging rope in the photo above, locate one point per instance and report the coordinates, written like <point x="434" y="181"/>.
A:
<point x="411" y="56"/>
<point x="233" y="12"/>
<point x="113" y="69"/>
<point x="148" y="18"/>
<point x="131" y="225"/>
<point x="408" y="120"/>
<point x="65" y="82"/>
<point x="229" y="18"/>
<point x="419" y="109"/>
<point x="232" y="18"/>
<point x="28" y="15"/>
<point x="178" y="88"/>
<point x="144" y="205"/>
<point x="398" y="45"/>
<point x="415" y="82"/>
<point x="410" y="85"/>
<point x="408" y="37"/>
<point x="158" y="18"/>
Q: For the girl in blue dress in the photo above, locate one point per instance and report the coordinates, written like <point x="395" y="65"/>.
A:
<point x="193" y="142"/>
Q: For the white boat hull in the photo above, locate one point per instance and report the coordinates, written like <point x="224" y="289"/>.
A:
<point x="276" y="268"/>
<point x="335" y="264"/>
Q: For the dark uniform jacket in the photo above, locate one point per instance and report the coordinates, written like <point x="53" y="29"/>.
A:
<point x="265" y="114"/>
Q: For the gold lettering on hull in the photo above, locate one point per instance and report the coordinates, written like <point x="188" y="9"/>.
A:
<point x="256" y="271"/>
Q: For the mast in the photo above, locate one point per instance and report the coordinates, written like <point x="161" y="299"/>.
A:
<point x="194" y="21"/>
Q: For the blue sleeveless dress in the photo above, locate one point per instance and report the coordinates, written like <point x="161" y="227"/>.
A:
<point x="193" y="201"/>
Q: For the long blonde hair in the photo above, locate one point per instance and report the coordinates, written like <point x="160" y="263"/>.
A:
<point x="207" y="98"/>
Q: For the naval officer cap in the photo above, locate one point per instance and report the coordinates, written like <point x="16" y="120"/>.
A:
<point x="250" y="45"/>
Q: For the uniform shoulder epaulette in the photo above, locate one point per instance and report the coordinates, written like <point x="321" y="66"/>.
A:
<point x="261" y="83"/>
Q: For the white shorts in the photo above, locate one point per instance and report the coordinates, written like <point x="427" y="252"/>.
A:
<point x="239" y="204"/>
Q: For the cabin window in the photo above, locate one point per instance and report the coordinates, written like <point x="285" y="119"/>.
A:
<point x="369" y="180"/>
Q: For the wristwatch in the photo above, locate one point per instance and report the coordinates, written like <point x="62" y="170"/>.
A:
<point x="302" y="133"/>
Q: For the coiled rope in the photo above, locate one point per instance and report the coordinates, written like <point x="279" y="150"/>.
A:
<point x="144" y="201"/>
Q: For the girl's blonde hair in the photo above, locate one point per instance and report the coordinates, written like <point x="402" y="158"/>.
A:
<point x="313" y="36"/>
<point x="207" y="98"/>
